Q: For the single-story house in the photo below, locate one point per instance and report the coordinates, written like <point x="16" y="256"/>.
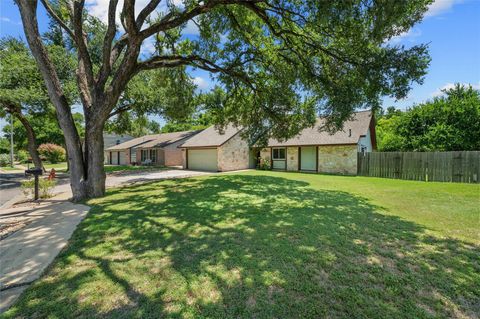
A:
<point x="213" y="150"/>
<point x="312" y="150"/>
<point x="164" y="150"/>
<point x="316" y="150"/>
<point x="155" y="149"/>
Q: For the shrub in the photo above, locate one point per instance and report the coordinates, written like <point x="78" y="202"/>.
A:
<point x="22" y="156"/>
<point x="4" y="159"/>
<point x="45" y="187"/>
<point x="52" y="152"/>
<point x="264" y="164"/>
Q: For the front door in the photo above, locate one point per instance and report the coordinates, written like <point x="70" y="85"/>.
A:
<point x="308" y="158"/>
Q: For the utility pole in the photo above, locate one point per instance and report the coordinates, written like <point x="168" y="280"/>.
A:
<point x="11" y="140"/>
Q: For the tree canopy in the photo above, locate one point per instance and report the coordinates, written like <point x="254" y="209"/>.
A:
<point x="447" y="123"/>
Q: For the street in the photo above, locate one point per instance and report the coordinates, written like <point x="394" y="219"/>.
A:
<point x="10" y="186"/>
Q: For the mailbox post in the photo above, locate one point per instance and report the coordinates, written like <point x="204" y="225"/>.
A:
<point x="36" y="172"/>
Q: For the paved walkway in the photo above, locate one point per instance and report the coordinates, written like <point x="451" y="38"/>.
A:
<point x="26" y="253"/>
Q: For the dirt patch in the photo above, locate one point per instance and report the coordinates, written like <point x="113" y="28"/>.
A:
<point x="8" y="228"/>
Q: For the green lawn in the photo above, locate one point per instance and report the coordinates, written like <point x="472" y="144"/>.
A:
<point x="56" y="166"/>
<point x="9" y="168"/>
<point x="269" y="245"/>
<point x="122" y="168"/>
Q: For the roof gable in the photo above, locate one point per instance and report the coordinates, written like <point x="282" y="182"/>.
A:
<point x="211" y="137"/>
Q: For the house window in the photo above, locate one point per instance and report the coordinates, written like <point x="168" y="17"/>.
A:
<point x="133" y="156"/>
<point x="153" y="155"/>
<point x="278" y="154"/>
<point x="144" y="155"/>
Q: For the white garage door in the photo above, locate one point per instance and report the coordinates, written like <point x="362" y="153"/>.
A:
<point x="204" y="160"/>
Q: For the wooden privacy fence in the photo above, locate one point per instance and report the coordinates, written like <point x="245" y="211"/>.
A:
<point x="462" y="167"/>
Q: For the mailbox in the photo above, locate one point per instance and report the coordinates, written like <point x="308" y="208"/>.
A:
<point x="35" y="172"/>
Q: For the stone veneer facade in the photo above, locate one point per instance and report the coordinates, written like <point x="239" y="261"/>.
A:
<point x="333" y="159"/>
<point x="233" y="155"/>
<point x="338" y="159"/>
<point x="292" y="158"/>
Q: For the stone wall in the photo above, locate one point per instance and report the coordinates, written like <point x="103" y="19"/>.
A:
<point x="233" y="155"/>
<point x="292" y="158"/>
<point x="338" y="159"/>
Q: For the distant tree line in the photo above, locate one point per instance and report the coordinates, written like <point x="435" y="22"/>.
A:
<point x="450" y="122"/>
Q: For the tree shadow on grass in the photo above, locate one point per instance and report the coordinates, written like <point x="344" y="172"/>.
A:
<point x="253" y="246"/>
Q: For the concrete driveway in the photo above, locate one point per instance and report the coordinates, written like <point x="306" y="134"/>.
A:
<point x="11" y="192"/>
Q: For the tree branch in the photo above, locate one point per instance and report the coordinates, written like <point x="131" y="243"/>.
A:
<point x="128" y="17"/>
<point x="85" y="63"/>
<point x="107" y="45"/>
<point x="173" y="20"/>
<point x="57" y="18"/>
<point x="146" y="12"/>
<point x="121" y="109"/>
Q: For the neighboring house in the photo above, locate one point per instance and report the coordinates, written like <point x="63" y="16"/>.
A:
<point x="164" y="150"/>
<point x="317" y="150"/>
<point x="155" y="149"/>
<point x="211" y="150"/>
<point x="115" y="139"/>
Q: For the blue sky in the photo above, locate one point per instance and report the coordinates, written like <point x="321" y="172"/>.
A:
<point x="451" y="27"/>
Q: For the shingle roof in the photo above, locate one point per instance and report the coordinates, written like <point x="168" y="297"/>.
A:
<point x="210" y="137"/>
<point x="154" y="140"/>
<point x="315" y="136"/>
<point x="169" y="138"/>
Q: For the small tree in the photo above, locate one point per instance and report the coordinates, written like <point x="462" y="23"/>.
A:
<point x="52" y="152"/>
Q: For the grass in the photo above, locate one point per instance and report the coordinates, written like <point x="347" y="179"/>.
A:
<point x="9" y="168"/>
<point x="269" y="245"/>
<point x="57" y="166"/>
<point x="122" y="168"/>
<point x="108" y="168"/>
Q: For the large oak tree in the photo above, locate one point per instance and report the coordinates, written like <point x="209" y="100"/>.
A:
<point x="280" y="62"/>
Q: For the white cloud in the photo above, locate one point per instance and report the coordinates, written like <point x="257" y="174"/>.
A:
<point x="148" y="47"/>
<point x="440" y="6"/>
<point x="99" y="8"/>
<point x="191" y="28"/>
<point x="449" y="86"/>
<point x="410" y="35"/>
<point x="8" y="20"/>
<point x="200" y="82"/>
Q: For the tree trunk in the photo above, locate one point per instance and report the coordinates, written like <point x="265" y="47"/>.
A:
<point x="95" y="182"/>
<point x="28" y="13"/>
<point x="32" y="141"/>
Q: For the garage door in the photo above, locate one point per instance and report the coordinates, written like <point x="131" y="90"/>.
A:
<point x="203" y="160"/>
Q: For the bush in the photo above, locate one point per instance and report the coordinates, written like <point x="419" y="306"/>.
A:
<point x="264" y="164"/>
<point x="45" y="187"/>
<point x="52" y="152"/>
<point x="4" y="160"/>
<point x="22" y="156"/>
